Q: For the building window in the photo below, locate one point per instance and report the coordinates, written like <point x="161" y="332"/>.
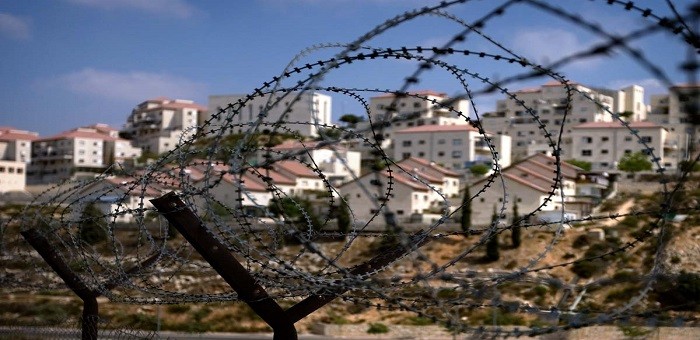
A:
<point x="628" y="138"/>
<point x="441" y="153"/>
<point x="646" y="139"/>
<point x="421" y="142"/>
<point x="586" y="152"/>
<point x="587" y="140"/>
<point x="628" y="151"/>
<point x="441" y="141"/>
<point x="416" y="105"/>
<point x="604" y="151"/>
<point x="605" y="139"/>
<point x="405" y="155"/>
<point x="421" y="154"/>
<point x="457" y="154"/>
<point x="406" y="143"/>
<point x="11" y="170"/>
<point x="457" y="141"/>
<point x="20" y="170"/>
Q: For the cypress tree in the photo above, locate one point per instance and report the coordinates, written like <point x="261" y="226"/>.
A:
<point x="492" y="245"/>
<point x="92" y="226"/>
<point x="466" y="220"/>
<point x="343" y="217"/>
<point x="515" y="231"/>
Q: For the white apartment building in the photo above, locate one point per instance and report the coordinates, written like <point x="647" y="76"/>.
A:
<point x="456" y="147"/>
<point x="417" y="187"/>
<point x="157" y="125"/>
<point x="83" y="150"/>
<point x="13" y="176"/>
<point x="514" y="115"/>
<point x="336" y="162"/>
<point x="16" y="145"/>
<point x="670" y="111"/>
<point x="414" y="109"/>
<point x="120" y="199"/>
<point x="15" y="153"/>
<point x="529" y="181"/>
<point x="604" y="143"/>
<point x="305" y="115"/>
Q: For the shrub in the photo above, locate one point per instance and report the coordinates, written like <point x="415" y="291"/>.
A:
<point x="377" y="328"/>
<point x="581" y="241"/>
<point x="177" y="309"/>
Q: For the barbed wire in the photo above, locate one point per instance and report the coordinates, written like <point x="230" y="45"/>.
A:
<point x="286" y="248"/>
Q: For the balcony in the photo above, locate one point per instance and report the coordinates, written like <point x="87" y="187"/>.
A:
<point x="481" y="147"/>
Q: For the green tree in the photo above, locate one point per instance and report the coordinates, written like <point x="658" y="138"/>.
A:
<point x="492" y="252"/>
<point x="466" y="220"/>
<point x="343" y="217"/>
<point x="479" y="170"/>
<point x="295" y="210"/>
<point x="92" y="227"/>
<point x="351" y="119"/>
<point x="586" y="166"/>
<point x="515" y="231"/>
<point x="689" y="166"/>
<point x="634" y="162"/>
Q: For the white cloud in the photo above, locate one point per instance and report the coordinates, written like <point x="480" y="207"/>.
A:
<point x="177" y="8"/>
<point x="547" y="45"/>
<point x="14" y="27"/>
<point x="130" y="86"/>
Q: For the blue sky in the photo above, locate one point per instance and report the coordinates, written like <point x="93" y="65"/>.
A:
<point x="66" y="63"/>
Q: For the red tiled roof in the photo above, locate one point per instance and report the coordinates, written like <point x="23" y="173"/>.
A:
<point x="295" y="168"/>
<point x="616" y="125"/>
<point x="405" y="179"/>
<point x="10" y="134"/>
<point x="529" y="90"/>
<point x="101" y="127"/>
<point x="526" y="182"/>
<point x="558" y="83"/>
<point x="432" y="165"/>
<point x="275" y="178"/>
<point x="438" y="128"/>
<point x="80" y="134"/>
<point x="167" y="103"/>
<point x="568" y="170"/>
<point x="132" y="187"/>
<point x="538" y="172"/>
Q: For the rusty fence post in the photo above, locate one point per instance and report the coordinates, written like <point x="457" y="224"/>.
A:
<point x="225" y="264"/>
<point x="50" y="255"/>
<point x="249" y="291"/>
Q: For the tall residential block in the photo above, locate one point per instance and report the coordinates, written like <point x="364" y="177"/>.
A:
<point x="557" y="105"/>
<point x="293" y="112"/>
<point x="157" y="125"/>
